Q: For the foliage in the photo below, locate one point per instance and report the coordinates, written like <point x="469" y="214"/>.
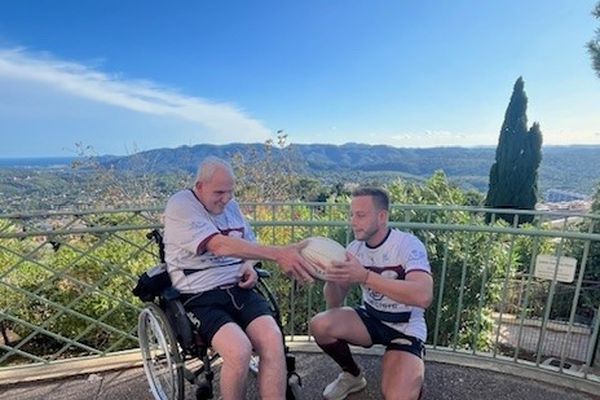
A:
<point x="112" y="188"/>
<point x="152" y="178"/>
<point x="78" y="290"/>
<point x="514" y="174"/>
<point x="590" y="293"/>
<point x="473" y="266"/>
<point x="475" y="263"/>
<point x="266" y="175"/>
<point x="587" y="254"/>
<point x="305" y="300"/>
<point x="594" y="44"/>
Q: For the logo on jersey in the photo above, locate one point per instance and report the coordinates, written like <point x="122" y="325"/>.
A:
<point x="417" y="255"/>
<point x="402" y="341"/>
<point x="234" y="233"/>
<point x="389" y="274"/>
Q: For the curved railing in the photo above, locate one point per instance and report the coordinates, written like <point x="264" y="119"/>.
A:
<point x="506" y="293"/>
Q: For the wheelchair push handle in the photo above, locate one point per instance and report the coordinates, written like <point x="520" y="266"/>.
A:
<point x="157" y="237"/>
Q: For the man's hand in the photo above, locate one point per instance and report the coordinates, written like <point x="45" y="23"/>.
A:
<point x="293" y="264"/>
<point x="349" y="271"/>
<point x="249" y="277"/>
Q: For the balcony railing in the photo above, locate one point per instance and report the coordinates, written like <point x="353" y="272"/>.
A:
<point x="66" y="279"/>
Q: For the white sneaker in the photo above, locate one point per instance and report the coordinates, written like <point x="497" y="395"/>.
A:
<point x="345" y="384"/>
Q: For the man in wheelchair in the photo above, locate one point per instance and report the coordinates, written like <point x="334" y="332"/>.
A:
<point x="208" y="248"/>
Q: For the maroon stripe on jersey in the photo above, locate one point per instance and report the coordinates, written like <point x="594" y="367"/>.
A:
<point x="226" y="232"/>
<point x="419" y="270"/>
<point x="201" y="249"/>
<point x="398" y="269"/>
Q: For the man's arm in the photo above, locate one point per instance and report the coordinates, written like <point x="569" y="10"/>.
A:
<point x="288" y="257"/>
<point x="415" y="290"/>
<point x="335" y="293"/>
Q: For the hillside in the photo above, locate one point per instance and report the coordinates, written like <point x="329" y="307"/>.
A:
<point x="30" y="184"/>
<point x="570" y="168"/>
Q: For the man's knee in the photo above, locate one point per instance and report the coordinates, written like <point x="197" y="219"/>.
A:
<point x="270" y="342"/>
<point x="266" y="337"/>
<point x="237" y="353"/>
<point x="392" y="391"/>
<point x="273" y="335"/>
<point x="320" y="325"/>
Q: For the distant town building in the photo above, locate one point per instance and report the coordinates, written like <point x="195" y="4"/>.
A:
<point x="559" y="196"/>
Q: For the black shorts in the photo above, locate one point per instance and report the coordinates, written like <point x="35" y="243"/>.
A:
<point x="391" y="338"/>
<point x="217" y="307"/>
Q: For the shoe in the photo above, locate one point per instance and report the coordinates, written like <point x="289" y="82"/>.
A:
<point x="345" y="384"/>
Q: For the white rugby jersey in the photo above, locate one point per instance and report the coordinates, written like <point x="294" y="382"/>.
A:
<point x="398" y="255"/>
<point x="188" y="228"/>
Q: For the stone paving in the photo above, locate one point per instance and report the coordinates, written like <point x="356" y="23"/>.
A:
<point x="443" y="382"/>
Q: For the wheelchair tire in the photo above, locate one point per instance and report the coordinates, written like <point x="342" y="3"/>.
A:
<point x="204" y="391"/>
<point x="294" y="388"/>
<point x="160" y="354"/>
<point x="253" y="364"/>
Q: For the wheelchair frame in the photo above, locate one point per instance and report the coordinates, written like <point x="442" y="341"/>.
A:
<point x="169" y="339"/>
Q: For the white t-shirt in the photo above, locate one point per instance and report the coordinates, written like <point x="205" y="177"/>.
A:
<point x="188" y="228"/>
<point x="400" y="254"/>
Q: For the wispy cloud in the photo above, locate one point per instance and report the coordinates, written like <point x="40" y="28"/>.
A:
<point x="433" y="138"/>
<point x="135" y="95"/>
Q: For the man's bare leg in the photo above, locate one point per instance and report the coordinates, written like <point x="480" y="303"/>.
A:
<point x="268" y="344"/>
<point x="235" y="349"/>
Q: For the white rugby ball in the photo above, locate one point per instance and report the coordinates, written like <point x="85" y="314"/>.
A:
<point x="322" y="250"/>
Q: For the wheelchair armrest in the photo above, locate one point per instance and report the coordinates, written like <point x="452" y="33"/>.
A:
<point x="179" y="319"/>
<point x="262" y="273"/>
<point x="170" y="294"/>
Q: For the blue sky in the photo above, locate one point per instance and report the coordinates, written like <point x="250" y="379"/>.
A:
<point x="123" y="76"/>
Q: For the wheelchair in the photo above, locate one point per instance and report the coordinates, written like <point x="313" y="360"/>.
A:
<point x="170" y="343"/>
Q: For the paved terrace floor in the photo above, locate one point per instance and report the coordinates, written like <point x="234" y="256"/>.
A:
<point x="443" y="381"/>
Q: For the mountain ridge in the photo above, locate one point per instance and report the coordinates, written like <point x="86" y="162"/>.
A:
<point x="573" y="167"/>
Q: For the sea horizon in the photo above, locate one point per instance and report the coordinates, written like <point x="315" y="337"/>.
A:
<point x="25" y="162"/>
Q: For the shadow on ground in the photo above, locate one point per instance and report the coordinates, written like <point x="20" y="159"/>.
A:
<point x="442" y="381"/>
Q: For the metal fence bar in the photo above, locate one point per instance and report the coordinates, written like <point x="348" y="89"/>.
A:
<point x="438" y="310"/>
<point x="81" y="283"/>
<point x="437" y="225"/>
<point x="548" y="306"/>
<point x="505" y="288"/>
<point x="55" y="317"/>
<point x="60" y="307"/>
<point x="461" y="293"/>
<point x="525" y="304"/>
<point x="592" y="343"/>
<point x="482" y="291"/>
<point x="52" y="335"/>
<point x="586" y="250"/>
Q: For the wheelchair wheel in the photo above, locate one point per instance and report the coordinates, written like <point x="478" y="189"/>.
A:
<point x="160" y="354"/>
<point x="254" y="362"/>
<point x="294" y="388"/>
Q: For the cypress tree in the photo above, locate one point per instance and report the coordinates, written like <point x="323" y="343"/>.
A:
<point x="513" y="176"/>
<point x="594" y="44"/>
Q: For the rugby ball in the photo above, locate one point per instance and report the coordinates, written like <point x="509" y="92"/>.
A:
<point x="320" y="251"/>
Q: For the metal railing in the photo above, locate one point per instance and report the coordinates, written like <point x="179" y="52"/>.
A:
<point x="66" y="279"/>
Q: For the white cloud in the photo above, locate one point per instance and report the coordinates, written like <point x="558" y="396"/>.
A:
<point x="135" y="95"/>
<point x="566" y="137"/>
<point x="433" y="138"/>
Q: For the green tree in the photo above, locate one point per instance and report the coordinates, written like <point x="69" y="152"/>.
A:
<point x="590" y="295"/>
<point x="475" y="263"/>
<point x="514" y="174"/>
<point x="270" y="174"/>
<point x="594" y="44"/>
